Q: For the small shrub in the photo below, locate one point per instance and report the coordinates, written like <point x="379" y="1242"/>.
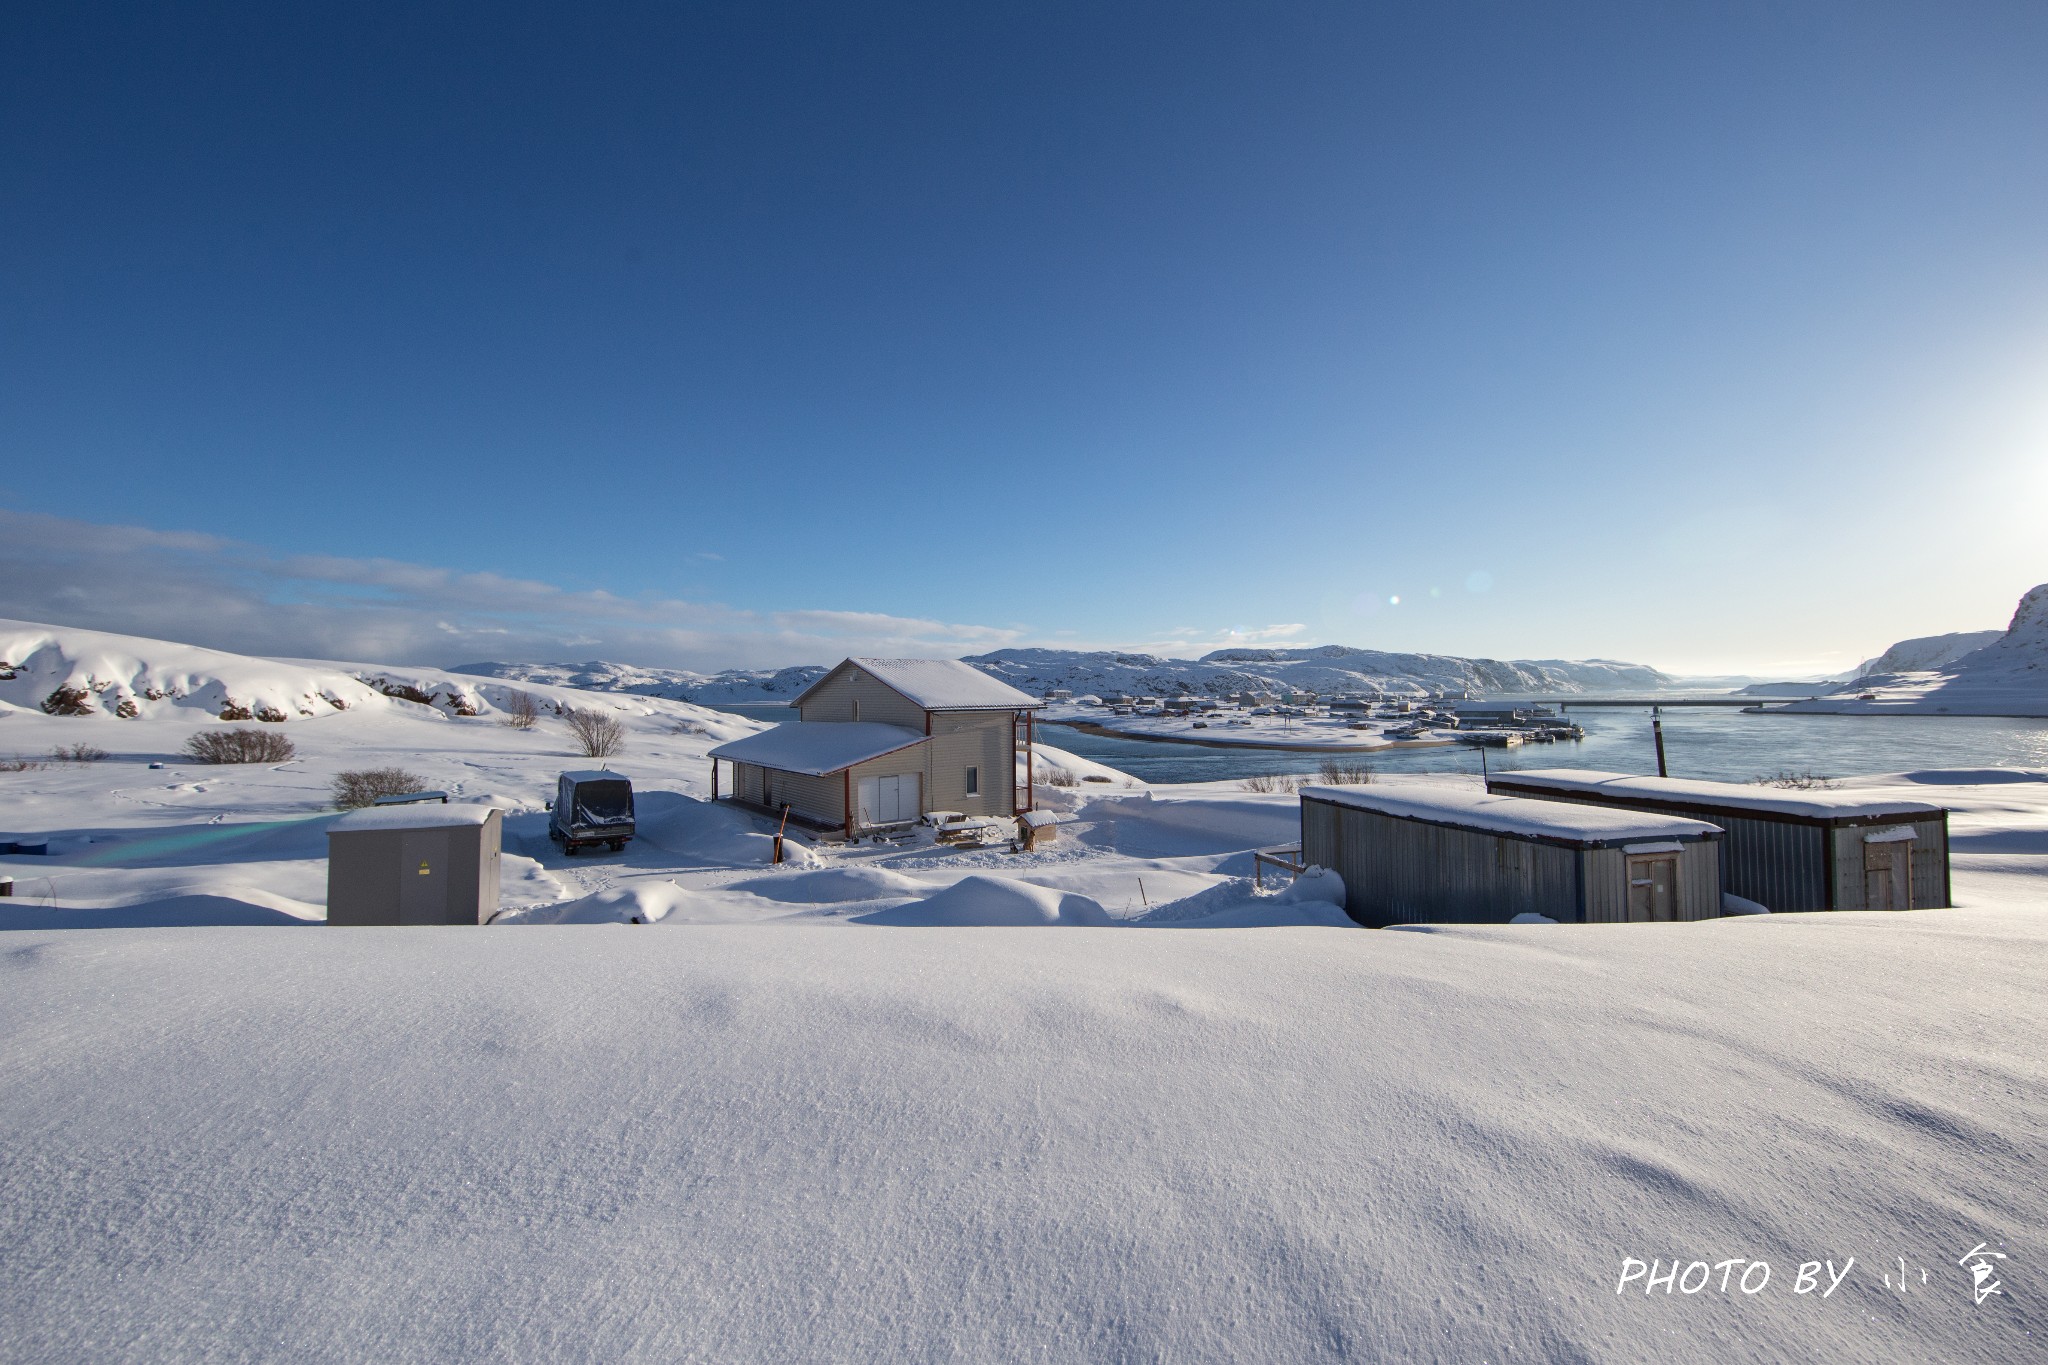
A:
<point x="78" y="753"/>
<point x="1353" y="772"/>
<point x="363" y="786"/>
<point x="522" y="712"/>
<point x="1261" y="782"/>
<point x="18" y="764"/>
<point x="1061" y="777"/>
<point x="1805" y="780"/>
<point x="234" y="710"/>
<point x="239" y="746"/>
<point x="687" y="727"/>
<point x="598" y="734"/>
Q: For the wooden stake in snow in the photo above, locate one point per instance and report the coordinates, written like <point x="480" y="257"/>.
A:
<point x="1657" y="732"/>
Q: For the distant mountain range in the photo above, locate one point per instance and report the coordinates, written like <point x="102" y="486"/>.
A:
<point x="1325" y="669"/>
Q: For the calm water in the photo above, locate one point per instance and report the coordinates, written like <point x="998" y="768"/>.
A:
<point x="1703" y="742"/>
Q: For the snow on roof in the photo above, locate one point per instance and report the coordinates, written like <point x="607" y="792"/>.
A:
<point x="1822" y="805"/>
<point x="1522" y="816"/>
<point x="433" y="816"/>
<point x="595" y="775"/>
<point x="942" y="685"/>
<point x="818" y="747"/>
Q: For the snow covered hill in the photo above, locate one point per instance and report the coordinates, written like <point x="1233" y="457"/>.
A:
<point x="69" y="672"/>
<point x="742" y="685"/>
<point x="2007" y="676"/>
<point x="1927" y="652"/>
<point x="1326" y="669"/>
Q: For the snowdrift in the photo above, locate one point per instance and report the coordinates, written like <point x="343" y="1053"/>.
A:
<point x="737" y="1144"/>
<point x="994" y="902"/>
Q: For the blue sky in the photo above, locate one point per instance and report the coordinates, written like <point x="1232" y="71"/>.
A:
<point x="1709" y="336"/>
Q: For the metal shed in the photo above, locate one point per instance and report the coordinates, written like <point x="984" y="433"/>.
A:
<point x="1786" y="850"/>
<point x="1456" y="855"/>
<point x="414" y="865"/>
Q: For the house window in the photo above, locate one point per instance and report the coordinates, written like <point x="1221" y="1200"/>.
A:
<point x="974" y="781"/>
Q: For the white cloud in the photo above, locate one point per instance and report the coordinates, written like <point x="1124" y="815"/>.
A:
<point x="238" y="596"/>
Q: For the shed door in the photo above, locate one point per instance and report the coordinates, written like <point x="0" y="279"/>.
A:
<point x="423" y="877"/>
<point x="889" y="800"/>
<point x="1888" y="875"/>
<point x="1653" y="888"/>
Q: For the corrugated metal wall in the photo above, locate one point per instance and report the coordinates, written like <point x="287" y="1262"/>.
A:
<point x="1930" y="862"/>
<point x="1775" y="863"/>
<point x="1400" y="871"/>
<point x="1780" y="864"/>
<point x="1699" y="883"/>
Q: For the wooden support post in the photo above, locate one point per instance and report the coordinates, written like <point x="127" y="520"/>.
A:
<point x="848" y="775"/>
<point x="780" y="830"/>
<point x="1657" y="730"/>
<point x="714" y="779"/>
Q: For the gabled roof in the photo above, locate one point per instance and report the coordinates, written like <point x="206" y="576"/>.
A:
<point x="818" y="747"/>
<point x="1521" y="817"/>
<point x="938" y="685"/>
<point x="1624" y="788"/>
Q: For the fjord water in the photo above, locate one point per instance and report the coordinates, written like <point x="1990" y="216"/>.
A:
<point x="1711" y="742"/>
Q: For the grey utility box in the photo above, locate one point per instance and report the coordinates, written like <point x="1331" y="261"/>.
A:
<point x="414" y="865"/>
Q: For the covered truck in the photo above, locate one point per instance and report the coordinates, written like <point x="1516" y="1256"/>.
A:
<point x="591" y="808"/>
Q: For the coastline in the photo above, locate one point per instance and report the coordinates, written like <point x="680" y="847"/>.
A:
<point x="1089" y="727"/>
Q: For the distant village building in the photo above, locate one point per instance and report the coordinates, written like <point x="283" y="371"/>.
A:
<point x="881" y="741"/>
<point x="1785" y="850"/>
<point x="1452" y="855"/>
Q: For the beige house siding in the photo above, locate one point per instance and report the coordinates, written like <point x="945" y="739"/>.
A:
<point x="822" y="799"/>
<point x="835" y="695"/>
<point x="964" y="739"/>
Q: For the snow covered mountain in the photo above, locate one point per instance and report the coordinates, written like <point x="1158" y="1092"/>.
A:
<point x="2006" y="677"/>
<point x="741" y="685"/>
<point x="1927" y="652"/>
<point x="1326" y="668"/>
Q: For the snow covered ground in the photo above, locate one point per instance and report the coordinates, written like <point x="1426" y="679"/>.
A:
<point x="1129" y="1111"/>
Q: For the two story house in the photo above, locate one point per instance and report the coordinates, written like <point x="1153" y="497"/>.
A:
<point x="881" y="741"/>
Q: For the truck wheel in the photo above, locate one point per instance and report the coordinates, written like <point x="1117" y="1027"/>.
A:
<point x="618" y="845"/>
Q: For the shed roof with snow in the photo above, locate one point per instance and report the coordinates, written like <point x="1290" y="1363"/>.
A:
<point x="427" y="816"/>
<point x="1693" y="792"/>
<point x="1518" y="817"/>
<point x="818" y="747"/>
<point x="938" y="685"/>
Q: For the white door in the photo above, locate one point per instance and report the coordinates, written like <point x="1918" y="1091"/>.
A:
<point x="889" y="800"/>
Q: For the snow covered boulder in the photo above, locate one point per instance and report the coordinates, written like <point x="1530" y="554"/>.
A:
<point x="993" y="902"/>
